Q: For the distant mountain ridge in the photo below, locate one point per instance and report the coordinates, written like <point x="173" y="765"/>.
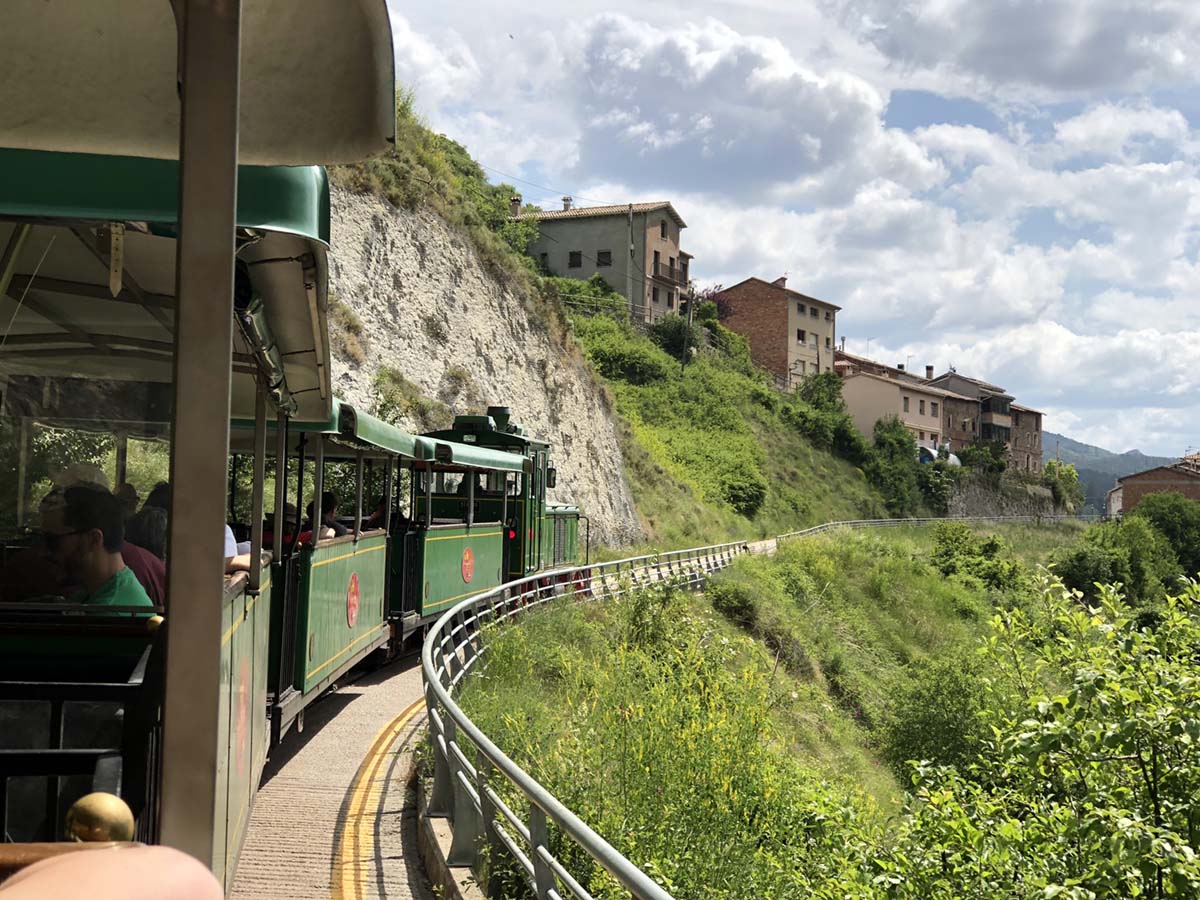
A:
<point x="1098" y="468"/>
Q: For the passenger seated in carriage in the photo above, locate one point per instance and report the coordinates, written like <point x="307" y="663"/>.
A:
<point x="84" y="532"/>
<point x="330" y="526"/>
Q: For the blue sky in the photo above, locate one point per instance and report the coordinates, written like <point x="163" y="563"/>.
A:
<point x="1008" y="186"/>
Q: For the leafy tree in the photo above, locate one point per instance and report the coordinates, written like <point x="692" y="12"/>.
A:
<point x="987" y="457"/>
<point x="1063" y="480"/>
<point x="823" y="392"/>
<point x="1131" y="553"/>
<point x="1178" y="519"/>
<point x="937" y="481"/>
<point x="892" y="467"/>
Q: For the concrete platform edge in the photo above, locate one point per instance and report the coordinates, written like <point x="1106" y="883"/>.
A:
<point x="433" y="845"/>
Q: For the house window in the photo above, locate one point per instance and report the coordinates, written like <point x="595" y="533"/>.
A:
<point x="921" y="407"/>
<point x="801" y="365"/>
<point x="828" y="316"/>
<point x="662" y="229"/>
<point x="814" y="312"/>
<point x="603" y="258"/>
<point x="575" y="259"/>
<point x="671" y="263"/>
<point x="812" y="341"/>
<point x="933" y="410"/>
<point x="654" y="294"/>
<point x="827" y="344"/>
<point x="544" y="260"/>
<point x="800" y="308"/>
<point x="656" y="261"/>
<point x="906" y="404"/>
<point x="922" y="435"/>
<point x="800" y="336"/>
<point x="670" y="299"/>
<point x="933" y="437"/>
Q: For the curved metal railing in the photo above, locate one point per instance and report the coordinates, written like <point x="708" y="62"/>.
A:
<point x="464" y="791"/>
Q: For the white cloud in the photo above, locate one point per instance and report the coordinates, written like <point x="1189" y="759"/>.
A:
<point x="1047" y="46"/>
<point x="1119" y="131"/>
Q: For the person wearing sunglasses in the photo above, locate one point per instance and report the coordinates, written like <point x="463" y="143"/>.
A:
<point x="84" y="532"/>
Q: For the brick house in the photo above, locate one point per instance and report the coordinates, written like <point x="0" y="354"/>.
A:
<point x="1025" y="448"/>
<point x="1182" y="477"/>
<point x="791" y="334"/>
<point x="632" y="246"/>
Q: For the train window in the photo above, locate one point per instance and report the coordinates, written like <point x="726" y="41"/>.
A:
<point x="495" y="483"/>
<point x="448" y="482"/>
<point x="86" y="401"/>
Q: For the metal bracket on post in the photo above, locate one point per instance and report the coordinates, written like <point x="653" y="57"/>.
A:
<point x="468" y="825"/>
<point x="493" y="848"/>
<point x="539" y="836"/>
<point x="440" y="797"/>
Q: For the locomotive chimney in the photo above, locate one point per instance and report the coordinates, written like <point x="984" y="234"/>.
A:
<point x="566" y="203"/>
<point x="500" y="415"/>
<point x="929" y="373"/>
<point x="514" y="205"/>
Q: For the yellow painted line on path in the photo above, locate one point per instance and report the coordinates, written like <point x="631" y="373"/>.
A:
<point x="356" y="836"/>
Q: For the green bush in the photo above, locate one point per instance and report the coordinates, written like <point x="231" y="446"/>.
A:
<point x="1131" y="553"/>
<point x="1063" y="481"/>
<point x="744" y="489"/>
<point x="618" y="353"/>
<point x="957" y="551"/>
<point x="935" y="715"/>
<point x="1178" y="520"/>
<point x="735" y="601"/>
<point x="675" y="335"/>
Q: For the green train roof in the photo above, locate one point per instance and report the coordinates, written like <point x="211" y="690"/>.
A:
<point x="356" y="430"/>
<point x="88" y="187"/>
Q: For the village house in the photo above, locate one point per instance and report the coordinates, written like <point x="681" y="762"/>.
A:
<point x="791" y="335"/>
<point x="971" y="410"/>
<point x="918" y="406"/>
<point x="634" y="247"/>
<point x="1183" y="477"/>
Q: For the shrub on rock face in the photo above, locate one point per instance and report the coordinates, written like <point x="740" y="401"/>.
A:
<point x="744" y="489"/>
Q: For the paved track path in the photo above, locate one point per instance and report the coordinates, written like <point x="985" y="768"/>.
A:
<point x="335" y="817"/>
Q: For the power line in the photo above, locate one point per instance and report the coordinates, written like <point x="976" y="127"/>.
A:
<point x="543" y="187"/>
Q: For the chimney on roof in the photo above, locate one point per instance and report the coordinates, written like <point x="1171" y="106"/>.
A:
<point x="514" y="205"/>
<point x="929" y="373"/>
<point x="566" y="203"/>
<point x="781" y="281"/>
<point x="900" y="366"/>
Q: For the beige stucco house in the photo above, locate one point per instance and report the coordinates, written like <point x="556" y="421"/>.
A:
<point x="633" y="246"/>
<point x="920" y="407"/>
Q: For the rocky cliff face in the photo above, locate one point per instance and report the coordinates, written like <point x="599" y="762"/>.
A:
<point x="426" y="309"/>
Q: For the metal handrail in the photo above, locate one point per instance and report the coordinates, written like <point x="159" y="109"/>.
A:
<point x="461" y="791"/>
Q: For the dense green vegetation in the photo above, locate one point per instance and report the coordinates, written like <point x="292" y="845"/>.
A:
<point x="1059" y="740"/>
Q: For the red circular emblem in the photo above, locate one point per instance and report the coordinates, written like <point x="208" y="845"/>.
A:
<point x="352" y="600"/>
<point x="468" y="564"/>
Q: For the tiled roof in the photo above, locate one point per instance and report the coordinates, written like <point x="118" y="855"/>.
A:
<point x="912" y="386"/>
<point x="996" y="389"/>
<point x="621" y="209"/>
<point x="1020" y="408"/>
<point x="794" y="294"/>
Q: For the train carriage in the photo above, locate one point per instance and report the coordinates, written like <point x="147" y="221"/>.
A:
<point x="211" y="84"/>
<point x="88" y="366"/>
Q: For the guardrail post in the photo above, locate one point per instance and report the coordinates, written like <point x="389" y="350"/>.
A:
<point x="440" y="793"/>
<point x="493" y="846"/>
<point x="468" y="825"/>
<point x="539" y="836"/>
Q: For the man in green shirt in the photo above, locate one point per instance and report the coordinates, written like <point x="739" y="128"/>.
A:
<point x="84" y="531"/>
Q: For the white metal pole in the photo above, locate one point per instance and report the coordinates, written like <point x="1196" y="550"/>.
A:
<point x="209" y="58"/>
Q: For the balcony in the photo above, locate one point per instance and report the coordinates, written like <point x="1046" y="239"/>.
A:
<point x="672" y="274"/>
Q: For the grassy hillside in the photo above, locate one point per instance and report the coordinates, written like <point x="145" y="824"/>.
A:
<point x="801" y="685"/>
<point x="711" y="451"/>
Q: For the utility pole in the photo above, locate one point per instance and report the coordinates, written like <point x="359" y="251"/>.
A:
<point x="629" y="269"/>
<point x="687" y="335"/>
